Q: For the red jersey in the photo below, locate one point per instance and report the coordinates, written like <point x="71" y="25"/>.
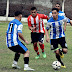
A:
<point x="37" y="22"/>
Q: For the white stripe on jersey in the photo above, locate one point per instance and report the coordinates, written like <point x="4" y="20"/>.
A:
<point x="9" y="41"/>
<point x="14" y="35"/>
<point x="32" y="21"/>
<point x="37" y="24"/>
<point x="57" y="29"/>
<point x="41" y="25"/>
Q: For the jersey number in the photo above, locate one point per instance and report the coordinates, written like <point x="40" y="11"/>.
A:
<point x="11" y="26"/>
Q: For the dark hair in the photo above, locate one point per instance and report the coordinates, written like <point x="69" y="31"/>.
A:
<point x="33" y="8"/>
<point x="55" y="9"/>
<point x="17" y="13"/>
<point x="57" y="3"/>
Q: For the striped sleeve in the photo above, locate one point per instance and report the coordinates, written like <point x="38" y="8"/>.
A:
<point x="20" y="28"/>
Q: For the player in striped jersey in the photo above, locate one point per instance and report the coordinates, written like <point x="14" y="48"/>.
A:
<point x="36" y="25"/>
<point x="57" y="35"/>
<point x="13" y="32"/>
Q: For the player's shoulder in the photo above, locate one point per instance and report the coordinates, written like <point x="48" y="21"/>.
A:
<point x="51" y="19"/>
<point x="15" y="21"/>
<point x="60" y="11"/>
<point x="60" y="17"/>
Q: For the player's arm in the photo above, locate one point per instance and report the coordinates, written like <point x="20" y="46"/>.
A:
<point x="30" y="26"/>
<point x="43" y="16"/>
<point x="65" y="23"/>
<point x="20" y="34"/>
<point x="47" y="32"/>
<point x="22" y="38"/>
<point x="47" y="36"/>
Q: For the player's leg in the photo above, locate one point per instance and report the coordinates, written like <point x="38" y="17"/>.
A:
<point x="17" y="55"/>
<point x="54" y="46"/>
<point x="34" y="38"/>
<point x="63" y="44"/>
<point x="41" y="41"/>
<point x="64" y="47"/>
<point x="23" y="49"/>
<point x="58" y="57"/>
<point x="14" y="65"/>
<point x="36" y="50"/>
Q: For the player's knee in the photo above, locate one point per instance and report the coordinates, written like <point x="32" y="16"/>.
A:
<point x="27" y="52"/>
<point x="40" y="43"/>
<point x="65" y="51"/>
<point x="57" y="52"/>
<point x="35" y="44"/>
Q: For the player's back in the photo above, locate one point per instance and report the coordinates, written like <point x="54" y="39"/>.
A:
<point x="12" y="33"/>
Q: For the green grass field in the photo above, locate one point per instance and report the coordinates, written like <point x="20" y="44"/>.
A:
<point x="40" y="65"/>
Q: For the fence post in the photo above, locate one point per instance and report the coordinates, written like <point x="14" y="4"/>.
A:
<point x="63" y="1"/>
<point x="7" y="10"/>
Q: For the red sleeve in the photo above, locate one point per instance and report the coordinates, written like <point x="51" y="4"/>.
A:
<point x="29" y="21"/>
<point x="43" y="16"/>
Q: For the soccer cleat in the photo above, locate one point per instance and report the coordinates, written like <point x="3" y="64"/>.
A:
<point x="15" y="66"/>
<point x="62" y="55"/>
<point x="28" y="69"/>
<point x="44" y="55"/>
<point x="37" y="57"/>
<point x="63" y="66"/>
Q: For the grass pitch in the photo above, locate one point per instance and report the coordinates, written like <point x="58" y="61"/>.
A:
<point x="40" y="65"/>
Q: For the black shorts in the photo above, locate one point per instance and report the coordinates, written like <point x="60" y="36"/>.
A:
<point x="35" y="37"/>
<point x="55" y="42"/>
<point x="19" y="48"/>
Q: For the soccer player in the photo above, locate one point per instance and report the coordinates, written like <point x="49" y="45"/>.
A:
<point x="36" y="25"/>
<point x="57" y="35"/>
<point x="13" y="32"/>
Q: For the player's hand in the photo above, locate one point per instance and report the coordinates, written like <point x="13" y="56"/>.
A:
<point x="33" y="28"/>
<point x="26" y="42"/>
<point x="47" y="40"/>
<point x="64" y="29"/>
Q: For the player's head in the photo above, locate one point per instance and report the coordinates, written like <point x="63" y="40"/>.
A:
<point x="55" y="12"/>
<point x="18" y="15"/>
<point x="57" y="5"/>
<point x="33" y="11"/>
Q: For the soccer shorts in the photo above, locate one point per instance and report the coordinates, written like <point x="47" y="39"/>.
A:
<point x="21" y="48"/>
<point x="55" y="42"/>
<point x="35" y="37"/>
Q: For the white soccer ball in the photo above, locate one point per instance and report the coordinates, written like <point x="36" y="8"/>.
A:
<point x="56" y="65"/>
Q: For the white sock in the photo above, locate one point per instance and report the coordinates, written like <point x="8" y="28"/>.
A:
<point x="25" y="65"/>
<point x="15" y="62"/>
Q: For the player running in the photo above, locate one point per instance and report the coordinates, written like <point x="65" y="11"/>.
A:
<point x="36" y="25"/>
<point x="13" y="32"/>
<point x="57" y="35"/>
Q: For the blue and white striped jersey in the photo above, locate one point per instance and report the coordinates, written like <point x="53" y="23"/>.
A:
<point x="14" y="27"/>
<point x="56" y="27"/>
<point x="60" y="13"/>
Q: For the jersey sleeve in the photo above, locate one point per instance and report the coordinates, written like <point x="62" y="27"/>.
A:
<point x="66" y="19"/>
<point x="29" y="21"/>
<point x="20" y="28"/>
<point x="50" y="15"/>
<point x="43" y="16"/>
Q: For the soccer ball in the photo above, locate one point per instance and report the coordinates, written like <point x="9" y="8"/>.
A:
<point x="56" y="65"/>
